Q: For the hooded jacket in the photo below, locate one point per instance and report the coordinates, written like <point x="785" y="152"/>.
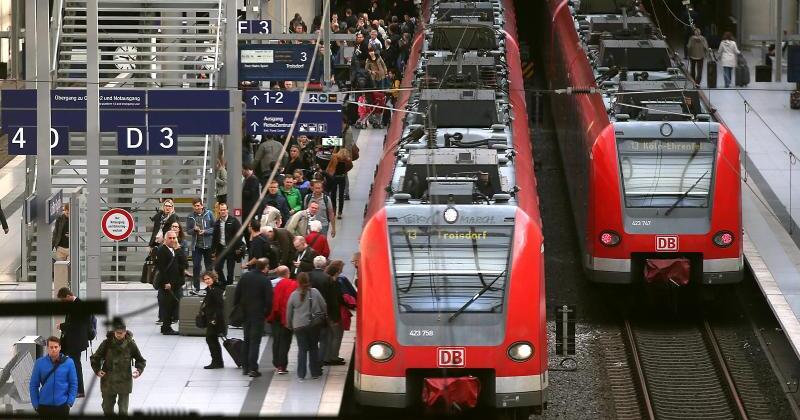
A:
<point x="115" y="357"/>
<point x="60" y="388"/>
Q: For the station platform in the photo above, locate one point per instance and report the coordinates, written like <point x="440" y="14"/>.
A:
<point x="765" y="127"/>
<point x="174" y="379"/>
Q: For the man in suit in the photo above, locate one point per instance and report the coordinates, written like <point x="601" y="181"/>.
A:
<point x="74" y="335"/>
<point x="254" y="297"/>
<point x="225" y="229"/>
<point x="170" y="263"/>
<point x="251" y="190"/>
<point x="303" y="258"/>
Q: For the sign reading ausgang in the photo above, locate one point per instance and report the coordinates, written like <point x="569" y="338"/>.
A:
<point x="272" y="112"/>
<point x="117" y="224"/>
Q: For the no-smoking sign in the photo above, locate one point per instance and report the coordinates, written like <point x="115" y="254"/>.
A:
<point x="117" y="224"/>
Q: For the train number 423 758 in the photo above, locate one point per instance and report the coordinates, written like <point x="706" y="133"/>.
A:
<point x="420" y="333"/>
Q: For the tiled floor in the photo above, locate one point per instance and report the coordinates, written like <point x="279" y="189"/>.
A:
<point x="174" y="378"/>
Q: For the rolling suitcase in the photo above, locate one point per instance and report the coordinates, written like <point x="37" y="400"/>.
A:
<point x="711" y="74"/>
<point x="742" y="72"/>
<point x="234" y="348"/>
<point x="794" y="99"/>
<point x="763" y="73"/>
<point x="188" y="309"/>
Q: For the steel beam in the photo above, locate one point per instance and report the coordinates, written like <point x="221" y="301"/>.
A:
<point x="93" y="201"/>
<point x="778" y="41"/>
<point x="44" y="259"/>
<point x="233" y="146"/>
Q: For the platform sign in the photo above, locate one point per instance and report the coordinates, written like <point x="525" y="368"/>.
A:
<point x="117" y="224"/>
<point x="193" y="112"/>
<point x="272" y="112"/>
<point x="22" y="141"/>
<point x="55" y="206"/>
<point x="255" y="26"/>
<point x="132" y="141"/>
<point x="275" y="61"/>
<point x="152" y="141"/>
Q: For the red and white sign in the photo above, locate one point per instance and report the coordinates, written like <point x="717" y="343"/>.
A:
<point x="117" y="224"/>
<point x="667" y="243"/>
<point x="451" y="357"/>
<point x="237" y="212"/>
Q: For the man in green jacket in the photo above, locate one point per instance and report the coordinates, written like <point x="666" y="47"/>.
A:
<point x="112" y="363"/>
<point x="293" y="196"/>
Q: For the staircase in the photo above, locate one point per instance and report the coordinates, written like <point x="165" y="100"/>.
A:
<point x="147" y="44"/>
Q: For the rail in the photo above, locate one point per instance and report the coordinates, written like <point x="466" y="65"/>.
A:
<point x="726" y="373"/>
<point x="56" y="26"/>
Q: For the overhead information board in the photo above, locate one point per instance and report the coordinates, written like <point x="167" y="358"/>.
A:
<point x="276" y="62"/>
<point x="272" y="112"/>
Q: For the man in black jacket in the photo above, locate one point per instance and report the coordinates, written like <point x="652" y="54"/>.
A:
<point x="260" y="247"/>
<point x="60" y="241"/>
<point x="254" y="297"/>
<point x="75" y="332"/>
<point x="319" y="280"/>
<point x="303" y="258"/>
<point x="170" y="262"/>
<point x="251" y="190"/>
<point x="225" y="229"/>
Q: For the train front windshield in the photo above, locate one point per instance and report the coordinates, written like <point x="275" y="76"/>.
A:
<point x="440" y="268"/>
<point x="667" y="173"/>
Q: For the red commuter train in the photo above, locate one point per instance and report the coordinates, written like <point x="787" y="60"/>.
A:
<point x="451" y="280"/>
<point x="653" y="176"/>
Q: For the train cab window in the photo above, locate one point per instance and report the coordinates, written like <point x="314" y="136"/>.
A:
<point x="666" y="173"/>
<point x="440" y="268"/>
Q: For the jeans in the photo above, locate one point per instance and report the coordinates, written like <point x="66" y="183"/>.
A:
<point x="230" y="263"/>
<point x="696" y="67"/>
<point x="281" y="341"/>
<point x="197" y="253"/>
<point x="212" y="339"/>
<point x="331" y="342"/>
<point x="50" y="411"/>
<point x="308" y="351"/>
<point x="253" y="329"/>
<point x="110" y="399"/>
<point x="76" y="358"/>
<point x="727" y="73"/>
<point x="337" y="192"/>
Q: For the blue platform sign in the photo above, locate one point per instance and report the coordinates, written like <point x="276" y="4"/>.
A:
<point x="132" y="141"/>
<point x="152" y="140"/>
<point x="255" y="26"/>
<point x="162" y="141"/>
<point x="275" y="61"/>
<point x="272" y="112"/>
<point x="193" y="112"/>
<point x="22" y="141"/>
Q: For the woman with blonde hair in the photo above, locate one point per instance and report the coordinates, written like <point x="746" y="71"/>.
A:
<point x="341" y="163"/>
<point x="728" y="56"/>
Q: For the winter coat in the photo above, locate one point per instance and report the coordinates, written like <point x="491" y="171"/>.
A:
<point x="214" y="305"/>
<point x="697" y="47"/>
<point x="280" y="299"/>
<point x="376" y="69"/>
<point x="728" y="51"/>
<point x="114" y="357"/>
<point x="61" y="229"/>
<point x="75" y="332"/>
<point x="60" y="388"/>
<point x="319" y="242"/>
<point x="205" y="221"/>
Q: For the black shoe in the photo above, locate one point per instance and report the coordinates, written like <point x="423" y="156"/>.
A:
<point x="326" y="363"/>
<point x="245" y="373"/>
<point x="340" y="359"/>
<point x="346" y="198"/>
<point x="169" y="332"/>
<point x="335" y="363"/>
<point x="254" y="374"/>
<point x="214" y="366"/>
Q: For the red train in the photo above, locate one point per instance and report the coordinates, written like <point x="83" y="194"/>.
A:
<point x="653" y="176"/>
<point x="451" y="283"/>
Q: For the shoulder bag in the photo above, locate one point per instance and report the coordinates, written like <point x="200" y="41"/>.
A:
<point x="315" y="319"/>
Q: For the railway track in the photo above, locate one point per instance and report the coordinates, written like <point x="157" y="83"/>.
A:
<point x="681" y="371"/>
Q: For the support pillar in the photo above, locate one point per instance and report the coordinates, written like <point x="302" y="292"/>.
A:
<point x="93" y="201"/>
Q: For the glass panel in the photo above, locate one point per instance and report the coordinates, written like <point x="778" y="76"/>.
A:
<point x="656" y="173"/>
<point x="440" y="268"/>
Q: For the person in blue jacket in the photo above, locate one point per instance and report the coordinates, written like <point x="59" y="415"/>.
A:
<point x="54" y="382"/>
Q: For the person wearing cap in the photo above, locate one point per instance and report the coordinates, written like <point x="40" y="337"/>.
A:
<point x="112" y="364"/>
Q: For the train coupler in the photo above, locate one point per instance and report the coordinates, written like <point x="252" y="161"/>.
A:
<point x="451" y="395"/>
<point x="673" y="271"/>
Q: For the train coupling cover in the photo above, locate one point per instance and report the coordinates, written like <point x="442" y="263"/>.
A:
<point x="451" y="395"/>
<point x="666" y="271"/>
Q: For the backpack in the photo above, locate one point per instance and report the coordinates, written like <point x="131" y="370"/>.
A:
<point x="93" y="328"/>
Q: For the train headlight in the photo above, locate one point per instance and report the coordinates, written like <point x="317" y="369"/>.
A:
<point x="723" y="239"/>
<point x="520" y="352"/>
<point x="609" y="238"/>
<point x="380" y="352"/>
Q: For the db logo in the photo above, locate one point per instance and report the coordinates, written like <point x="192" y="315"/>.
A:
<point x="451" y="357"/>
<point x="666" y="243"/>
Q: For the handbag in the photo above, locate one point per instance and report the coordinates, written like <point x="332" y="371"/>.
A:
<point x="200" y="319"/>
<point x="148" y="271"/>
<point x="316" y="319"/>
<point x="354" y="151"/>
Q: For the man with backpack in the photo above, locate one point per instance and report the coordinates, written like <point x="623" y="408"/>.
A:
<point x="54" y="383"/>
<point x="326" y="213"/>
<point x="76" y="332"/>
<point x="112" y="364"/>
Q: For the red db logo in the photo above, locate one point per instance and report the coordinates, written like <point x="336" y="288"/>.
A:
<point x="667" y="243"/>
<point x="451" y="357"/>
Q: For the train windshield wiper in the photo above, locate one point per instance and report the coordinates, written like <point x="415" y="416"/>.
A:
<point x="474" y="298"/>
<point x="684" y="195"/>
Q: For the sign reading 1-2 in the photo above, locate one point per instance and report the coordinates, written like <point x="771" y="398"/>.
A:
<point x="22" y="141"/>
